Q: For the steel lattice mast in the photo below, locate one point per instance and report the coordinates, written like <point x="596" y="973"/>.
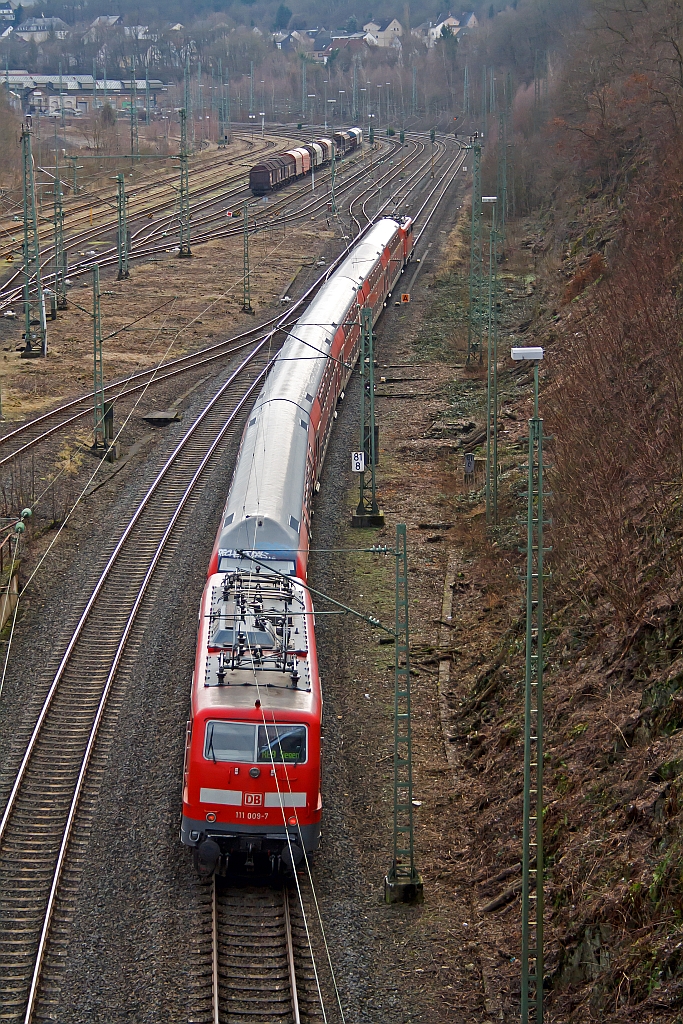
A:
<point x="303" y="86"/>
<point x="532" y="829"/>
<point x="246" y="270"/>
<point x="367" y="512"/>
<point x="502" y="189"/>
<point x="35" y="325"/>
<point x="98" y="370"/>
<point x="184" y="195"/>
<point x="476" y="285"/>
<point x="122" y="230"/>
<point x="134" y="138"/>
<point x="403" y="882"/>
<point x="60" y="253"/>
<point x="492" y="379"/>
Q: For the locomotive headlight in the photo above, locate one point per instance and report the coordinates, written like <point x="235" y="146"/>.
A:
<point x="211" y="816"/>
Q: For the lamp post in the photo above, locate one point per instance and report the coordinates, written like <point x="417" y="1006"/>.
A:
<point x="532" y="826"/>
<point x="379" y="107"/>
<point x="262" y="115"/>
<point x="325" y="99"/>
<point x="341" y="103"/>
<point x="252" y="118"/>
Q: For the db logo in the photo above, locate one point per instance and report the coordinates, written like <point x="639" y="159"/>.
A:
<point x="253" y="799"/>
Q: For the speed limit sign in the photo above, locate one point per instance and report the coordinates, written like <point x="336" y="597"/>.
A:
<point x="358" y="462"/>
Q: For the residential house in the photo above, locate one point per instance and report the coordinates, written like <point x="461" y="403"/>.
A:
<point x="318" y="42"/>
<point x="101" y="25"/>
<point x="468" y="20"/>
<point x="7" y="14"/>
<point x="137" y="32"/>
<point x="430" y="32"/>
<point x="352" y="41"/>
<point x="38" y="30"/>
<point x="387" y="33"/>
<point x="292" y="41"/>
<point x="436" y="31"/>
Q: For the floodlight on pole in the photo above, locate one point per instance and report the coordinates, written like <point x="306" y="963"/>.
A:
<point x="526" y="353"/>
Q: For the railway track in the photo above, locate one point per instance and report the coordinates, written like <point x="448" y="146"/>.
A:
<point x="22" y="439"/>
<point x="26" y="437"/>
<point x="262" y="969"/>
<point x="53" y="795"/>
<point x="205" y="177"/>
<point x="11" y="292"/>
<point x="41" y="830"/>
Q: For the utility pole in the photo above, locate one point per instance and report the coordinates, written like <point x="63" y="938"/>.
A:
<point x="35" y="324"/>
<point x="402" y="883"/>
<point x="354" y="94"/>
<point x="246" y="272"/>
<point x="466" y="93"/>
<point x="532" y="828"/>
<point x="60" y="253"/>
<point x="74" y="177"/>
<point x="413" y="106"/>
<point x="476" y="312"/>
<point x="122" y="231"/>
<point x="492" y="377"/>
<point x="432" y="137"/>
<point x="251" y="88"/>
<point x="98" y="371"/>
<point x="148" y="105"/>
<point x="134" y="139"/>
<point x="368" y="512"/>
<point x="184" y="196"/>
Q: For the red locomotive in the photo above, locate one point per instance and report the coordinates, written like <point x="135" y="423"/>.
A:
<point x="252" y="762"/>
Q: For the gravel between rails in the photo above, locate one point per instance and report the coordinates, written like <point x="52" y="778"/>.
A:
<point x="135" y="950"/>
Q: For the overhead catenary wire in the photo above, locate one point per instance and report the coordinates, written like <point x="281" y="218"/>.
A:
<point x="100" y="463"/>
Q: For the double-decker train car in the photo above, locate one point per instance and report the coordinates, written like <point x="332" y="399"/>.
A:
<point x="277" y="170"/>
<point x="251" y="787"/>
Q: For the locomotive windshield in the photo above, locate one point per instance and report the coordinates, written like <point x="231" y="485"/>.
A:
<point x="242" y="741"/>
<point x="282" y="743"/>
<point x="229" y="741"/>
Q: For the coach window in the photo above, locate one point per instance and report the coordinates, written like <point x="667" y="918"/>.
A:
<point x="282" y="743"/>
<point x="229" y="741"/>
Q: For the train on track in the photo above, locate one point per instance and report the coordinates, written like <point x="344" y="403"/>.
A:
<point x="251" y="785"/>
<point x="277" y="170"/>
